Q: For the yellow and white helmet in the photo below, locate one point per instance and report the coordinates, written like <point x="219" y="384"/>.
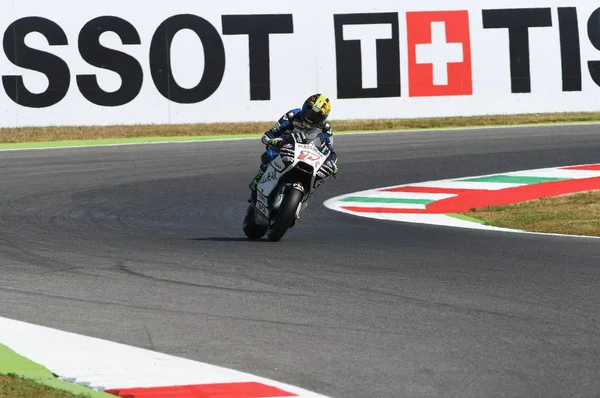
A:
<point x="315" y="110"/>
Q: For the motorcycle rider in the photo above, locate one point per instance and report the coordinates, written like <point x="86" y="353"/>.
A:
<point x="312" y="115"/>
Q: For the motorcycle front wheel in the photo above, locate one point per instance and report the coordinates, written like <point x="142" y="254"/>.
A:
<point x="286" y="215"/>
<point x="252" y="230"/>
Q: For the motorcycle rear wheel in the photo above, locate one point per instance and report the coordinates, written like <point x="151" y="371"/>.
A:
<point x="286" y="215"/>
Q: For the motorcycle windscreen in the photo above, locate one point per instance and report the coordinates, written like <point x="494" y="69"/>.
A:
<point x="317" y="138"/>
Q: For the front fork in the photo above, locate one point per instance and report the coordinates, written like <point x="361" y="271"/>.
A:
<point x="281" y="195"/>
<point x="299" y="187"/>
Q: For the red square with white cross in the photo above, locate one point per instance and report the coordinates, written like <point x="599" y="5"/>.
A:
<point x="439" y="53"/>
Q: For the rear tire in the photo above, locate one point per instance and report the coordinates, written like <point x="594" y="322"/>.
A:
<point x="287" y="213"/>
<point x="252" y="230"/>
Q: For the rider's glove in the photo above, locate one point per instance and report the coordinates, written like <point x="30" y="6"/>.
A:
<point x="275" y="142"/>
<point x="331" y="167"/>
<point x="334" y="168"/>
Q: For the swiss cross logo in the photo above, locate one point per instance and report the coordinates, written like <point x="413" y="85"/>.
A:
<point x="439" y="53"/>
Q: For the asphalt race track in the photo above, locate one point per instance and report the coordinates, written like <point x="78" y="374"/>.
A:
<point x="143" y="245"/>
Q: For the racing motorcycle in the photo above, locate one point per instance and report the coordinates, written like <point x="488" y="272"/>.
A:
<point x="287" y="184"/>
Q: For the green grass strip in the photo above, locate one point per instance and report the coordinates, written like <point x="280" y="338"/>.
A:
<point x="506" y="179"/>
<point x="365" y="199"/>
<point x="442" y="126"/>
<point x="121" y="141"/>
<point x="12" y="363"/>
<point x="466" y="218"/>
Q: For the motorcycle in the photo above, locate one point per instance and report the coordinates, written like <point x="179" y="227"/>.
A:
<point x="287" y="184"/>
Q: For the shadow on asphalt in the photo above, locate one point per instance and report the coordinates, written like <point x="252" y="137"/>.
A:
<point x="228" y="239"/>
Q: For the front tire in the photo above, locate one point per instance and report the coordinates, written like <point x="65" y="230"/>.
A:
<point x="252" y="230"/>
<point x="287" y="213"/>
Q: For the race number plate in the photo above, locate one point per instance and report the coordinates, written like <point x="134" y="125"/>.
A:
<point x="308" y="154"/>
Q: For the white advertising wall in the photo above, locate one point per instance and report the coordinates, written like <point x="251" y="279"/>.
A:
<point x="67" y="62"/>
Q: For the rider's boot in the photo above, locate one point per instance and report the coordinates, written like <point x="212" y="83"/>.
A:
<point x="261" y="171"/>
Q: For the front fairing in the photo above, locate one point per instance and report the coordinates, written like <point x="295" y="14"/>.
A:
<point x="314" y="136"/>
<point x="299" y="162"/>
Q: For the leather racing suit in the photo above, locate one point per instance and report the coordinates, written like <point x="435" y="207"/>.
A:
<point x="286" y="124"/>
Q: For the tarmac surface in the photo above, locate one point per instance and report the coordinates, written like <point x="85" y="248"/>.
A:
<point x="143" y="245"/>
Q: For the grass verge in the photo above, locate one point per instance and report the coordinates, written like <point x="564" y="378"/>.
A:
<point x="52" y="134"/>
<point x="12" y="386"/>
<point x="574" y="214"/>
<point x="21" y="377"/>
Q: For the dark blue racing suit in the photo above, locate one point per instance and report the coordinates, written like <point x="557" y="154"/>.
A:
<point x="286" y="124"/>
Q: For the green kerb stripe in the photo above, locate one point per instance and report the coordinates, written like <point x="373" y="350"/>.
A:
<point x="13" y="363"/>
<point x="364" y="199"/>
<point x="466" y="218"/>
<point x="513" y="179"/>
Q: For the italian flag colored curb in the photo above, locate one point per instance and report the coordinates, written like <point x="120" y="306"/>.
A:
<point x="438" y="202"/>
<point x="130" y="372"/>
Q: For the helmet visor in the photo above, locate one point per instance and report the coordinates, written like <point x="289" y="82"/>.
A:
<point x="315" y="110"/>
<point x="312" y="118"/>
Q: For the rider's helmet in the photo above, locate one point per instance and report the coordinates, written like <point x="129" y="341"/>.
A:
<point x="315" y="110"/>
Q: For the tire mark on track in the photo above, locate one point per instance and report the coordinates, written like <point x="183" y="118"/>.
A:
<point x="183" y="312"/>
<point x="123" y="268"/>
<point x="461" y="309"/>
